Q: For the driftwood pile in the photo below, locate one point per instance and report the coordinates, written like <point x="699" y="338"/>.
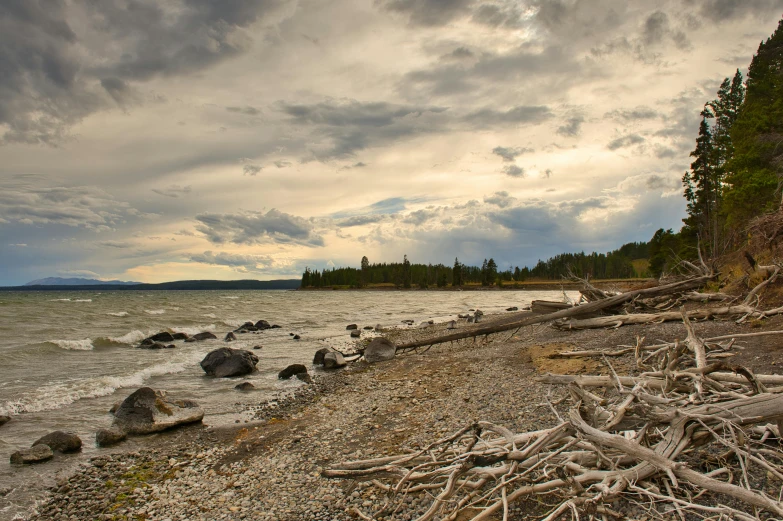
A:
<point x="689" y="437"/>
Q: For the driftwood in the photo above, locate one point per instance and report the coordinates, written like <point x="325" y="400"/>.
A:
<point x="684" y="438"/>
<point x="591" y="307"/>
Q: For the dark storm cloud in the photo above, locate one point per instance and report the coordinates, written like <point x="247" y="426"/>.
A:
<point x="571" y="127"/>
<point x="51" y="80"/>
<point x="625" y="141"/>
<point x="258" y="227"/>
<point x="344" y="127"/>
<point x="251" y="170"/>
<point x="173" y="191"/>
<point x="510" y="153"/>
<point x="724" y="10"/>
<point x="514" y="171"/>
<point x="523" y="114"/>
<point x="428" y="12"/>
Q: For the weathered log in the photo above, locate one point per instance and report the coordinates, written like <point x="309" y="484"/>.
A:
<point x="674" y="287"/>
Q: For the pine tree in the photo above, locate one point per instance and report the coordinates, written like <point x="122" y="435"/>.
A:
<point x="365" y="278"/>
<point x="492" y="271"/>
<point x="456" y="274"/>
<point x="484" y="274"/>
<point x="406" y="272"/>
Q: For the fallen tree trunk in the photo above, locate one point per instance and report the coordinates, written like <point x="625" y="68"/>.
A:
<point x="674" y="287"/>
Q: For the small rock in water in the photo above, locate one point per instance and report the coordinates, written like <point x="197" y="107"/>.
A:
<point x="179" y="336"/>
<point x="274" y="326"/>
<point x="305" y="377"/>
<point x="452" y="325"/>
<point x="296" y="337"/>
<point x="258" y="347"/>
<point x="334" y="360"/>
<point x="351" y="326"/>
<point x="291" y="370"/>
<point x="230" y="337"/>
<point x="512" y="308"/>
<point x="262" y="324"/>
<point x="318" y="359"/>
<point x="110" y="436"/>
<point x="367" y="328"/>
<point x="61" y="441"/>
<point x="37" y="454"/>
<point x="164" y="336"/>
<point x="154" y="345"/>
<point x="4" y="419"/>
<point x="356" y="333"/>
<point x="245" y="386"/>
<point x="225" y="362"/>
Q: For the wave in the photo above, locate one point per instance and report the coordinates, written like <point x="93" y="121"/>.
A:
<point x="154" y="311"/>
<point x="83" y="300"/>
<point x="192" y="330"/>
<point x="233" y="298"/>
<point x="59" y="300"/>
<point x="208" y="307"/>
<point x="233" y="322"/>
<point x="118" y="314"/>
<point x="56" y="396"/>
<point x="133" y="337"/>
<point x="209" y="315"/>
<point x="73" y="345"/>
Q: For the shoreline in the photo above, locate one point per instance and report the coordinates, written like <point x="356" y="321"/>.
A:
<point x="270" y="468"/>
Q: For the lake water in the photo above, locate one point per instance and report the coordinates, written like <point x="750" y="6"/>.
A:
<point x="68" y="356"/>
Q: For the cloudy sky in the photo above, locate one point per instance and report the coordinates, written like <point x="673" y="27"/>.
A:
<point x="224" y="139"/>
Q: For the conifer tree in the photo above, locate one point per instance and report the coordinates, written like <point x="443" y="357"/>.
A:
<point x="456" y="275"/>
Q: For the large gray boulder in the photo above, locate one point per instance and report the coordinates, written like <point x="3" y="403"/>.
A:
<point x="205" y="335"/>
<point x="334" y="360"/>
<point x="262" y="325"/>
<point x="37" y="454"/>
<point x="110" y="436"/>
<point x="163" y="336"/>
<point x="225" y="362"/>
<point x="379" y="350"/>
<point x="147" y="411"/>
<point x="60" y="441"/>
<point x="318" y="359"/>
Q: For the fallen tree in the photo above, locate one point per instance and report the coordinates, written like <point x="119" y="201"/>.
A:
<point x="688" y="436"/>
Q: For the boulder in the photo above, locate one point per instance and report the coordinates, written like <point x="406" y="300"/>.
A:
<point x="367" y="328"/>
<point x="318" y="359"/>
<point x="171" y="346"/>
<point x="115" y="407"/>
<point x="334" y="360"/>
<point x="230" y="337"/>
<point x="512" y="308"/>
<point x="204" y="335"/>
<point x="245" y="386"/>
<point x="225" y="362"/>
<point x="351" y="326"/>
<point x="379" y="350"/>
<point x="356" y="333"/>
<point x="146" y="342"/>
<point x="4" y="419"/>
<point x="60" y="441"/>
<point x="305" y="377"/>
<point x="37" y="454"/>
<point x="147" y="411"/>
<point x="291" y="370"/>
<point x="262" y="324"/>
<point x="154" y="345"/>
<point x="246" y="328"/>
<point x="110" y="436"/>
<point x="164" y="336"/>
<point x="179" y="336"/>
<point x="296" y="337"/>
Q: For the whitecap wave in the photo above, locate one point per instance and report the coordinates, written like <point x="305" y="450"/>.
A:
<point x="209" y="315"/>
<point x="208" y="307"/>
<point x="154" y="311"/>
<point x="56" y="396"/>
<point x="83" y="300"/>
<point x="74" y="345"/>
<point x="233" y="322"/>
<point x="233" y="298"/>
<point x="118" y="314"/>
<point x="128" y="338"/>
<point x="59" y="300"/>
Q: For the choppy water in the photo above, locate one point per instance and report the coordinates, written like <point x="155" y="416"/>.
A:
<point x="68" y="356"/>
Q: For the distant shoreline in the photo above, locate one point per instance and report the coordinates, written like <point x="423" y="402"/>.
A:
<point x="520" y="286"/>
<point x="182" y="285"/>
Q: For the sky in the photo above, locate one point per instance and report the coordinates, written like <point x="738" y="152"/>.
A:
<point x="247" y="139"/>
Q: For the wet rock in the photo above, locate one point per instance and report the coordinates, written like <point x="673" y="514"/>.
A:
<point x="245" y="386"/>
<point x="334" y="360"/>
<point x="291" y="370"/>
<point x="115" y="407"/>
<point x="204" y="335"/>
<point x="305" y="377"/>
<point x="230" y="337"/>
<point x="247" y="327"/>
<point x="147" y="411"/>
<point x="171" y="346"/>
<point x="463" y="315"/>
<point x="4" y="419"/>
<point x="37" y="454"/>
<point x="225" y="362"/>
<point x="318" y="359"/>
<point x="262" y="324"/>
<point x="479" y="313"/>
<point x="512" y="308"/>
<point x="351" y="326"/>
<point x="164" y="336"/>
<point x="154" y="345"/>
<point x="60" y="441"/>
<point x="179" y="336"/>
<point x="356" y="333"/>
<point x="367" y="328"/>
<point x="274" y="326"/>
<point x="408" y="322"/>
<point x="452" y="324"/>
<point x="296" y="337"/>
<point x="258" y="347"/>
<point x="110" y="436"/>
<point x="379" y="350"/>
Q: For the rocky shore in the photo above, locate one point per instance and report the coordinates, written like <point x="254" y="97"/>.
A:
<point x="270" y="469"/>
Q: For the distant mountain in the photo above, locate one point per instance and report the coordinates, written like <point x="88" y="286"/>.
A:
<point x="60" y="281"/>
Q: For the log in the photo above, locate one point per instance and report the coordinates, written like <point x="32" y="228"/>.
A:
<point x="674" y="287"/>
